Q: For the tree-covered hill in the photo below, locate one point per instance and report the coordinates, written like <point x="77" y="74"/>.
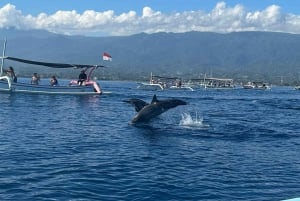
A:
<point x="241" y="55"/>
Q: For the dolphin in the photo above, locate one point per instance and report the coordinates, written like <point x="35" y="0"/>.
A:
<point x="146" y="111"/>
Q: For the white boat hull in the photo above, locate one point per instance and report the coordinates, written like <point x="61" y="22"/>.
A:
<point x="187" y="88"/>
<point x="146" y="86"/>
<point x="256" y="85"/>
<point x="44" y="89"/>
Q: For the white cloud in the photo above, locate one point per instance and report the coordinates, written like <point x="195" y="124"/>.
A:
<point x="221" y="19"/>
<point x="148" y="12"/>
<point x="9" y="17"/>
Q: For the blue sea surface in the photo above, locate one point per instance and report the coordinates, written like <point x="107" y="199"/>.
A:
<point x="224" y="145"/>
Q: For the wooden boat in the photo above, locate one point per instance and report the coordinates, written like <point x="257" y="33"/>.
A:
<point x="86" y="88"/>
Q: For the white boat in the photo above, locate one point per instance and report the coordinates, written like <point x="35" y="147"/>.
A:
<point x="88" y="87"/>
<point x="212" y="83"/>
<point x="163" y="83"/>
<point x="256" y="85"/>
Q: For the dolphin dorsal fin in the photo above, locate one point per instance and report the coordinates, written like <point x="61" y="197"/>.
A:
<point x="154" y="99"/>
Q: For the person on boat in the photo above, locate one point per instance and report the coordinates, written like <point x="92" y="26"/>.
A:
<point x="53" y="81"/>
<point x="35" y="79"/>
<point x="179" y="84"/>
<point x="11" y="73"/>
<point x="82" y="77"/>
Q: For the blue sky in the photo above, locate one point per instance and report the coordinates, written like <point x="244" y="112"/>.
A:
<point x="119" y="6"/>
<point x="125" y="17"/>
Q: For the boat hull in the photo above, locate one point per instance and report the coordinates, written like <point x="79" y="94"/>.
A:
<point x="44" y="89"/>
<point x="186" y="88"/>
<point x="153" y="87"/>
<point x="256" y="85"/>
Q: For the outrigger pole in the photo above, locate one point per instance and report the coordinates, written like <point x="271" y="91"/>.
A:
<point x="2" y="59"/>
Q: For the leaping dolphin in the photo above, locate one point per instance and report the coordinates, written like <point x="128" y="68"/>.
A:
<point x="146" y="111"/>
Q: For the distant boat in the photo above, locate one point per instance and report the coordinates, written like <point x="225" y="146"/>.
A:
<point x="151" y="85"/>
<point x="163" y="83"/>
<point x="88" y="86"/>
<point x="212" y="83"/>
<point x="256" y="85"/>
<point x="297" y="87"/>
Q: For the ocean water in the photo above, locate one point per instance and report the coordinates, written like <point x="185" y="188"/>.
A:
<point x="224" y="145"/>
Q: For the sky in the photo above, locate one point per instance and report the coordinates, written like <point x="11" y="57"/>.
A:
<point x="127" y="17"/>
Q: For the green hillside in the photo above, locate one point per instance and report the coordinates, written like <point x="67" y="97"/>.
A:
<point x="241" y="55"/>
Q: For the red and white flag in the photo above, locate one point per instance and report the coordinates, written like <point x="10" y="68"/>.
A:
<point x="106" y="57"/>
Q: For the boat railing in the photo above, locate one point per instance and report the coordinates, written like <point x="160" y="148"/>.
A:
<point x="8" y="80"/>
<point x="89" y="72"/>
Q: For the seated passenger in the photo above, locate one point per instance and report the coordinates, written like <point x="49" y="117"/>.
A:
<point x="35" y="79"/>
<point x="11" y="73"/>
<point x="81" y="78"/>
<point x="53" y="81"/>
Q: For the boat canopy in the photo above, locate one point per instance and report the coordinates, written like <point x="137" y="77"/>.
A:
<point x="212" y="79"/>
<point x="166" y="78"/>
<point x="53" y="65"/>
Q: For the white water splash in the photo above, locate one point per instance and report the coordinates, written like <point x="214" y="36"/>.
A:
<point x="188" y="121"/>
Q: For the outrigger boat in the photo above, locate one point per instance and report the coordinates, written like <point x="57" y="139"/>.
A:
<point x="256" y="85"/>
<point x="163" y="83"/>
<point x="212" y="83"/>
<point x="89" y="87"/>
<point x="153" y="84"/>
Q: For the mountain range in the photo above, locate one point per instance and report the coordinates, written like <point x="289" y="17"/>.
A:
<point x="244" y="56"/>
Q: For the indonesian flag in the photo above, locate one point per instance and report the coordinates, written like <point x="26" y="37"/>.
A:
<point x="106" y="57"/>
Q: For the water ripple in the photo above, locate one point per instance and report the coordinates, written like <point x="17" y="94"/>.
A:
<point x="241" y="145"/>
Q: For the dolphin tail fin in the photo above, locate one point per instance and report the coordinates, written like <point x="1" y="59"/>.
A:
<point x="154" y="99"/>
<point x="137" y="103"/>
